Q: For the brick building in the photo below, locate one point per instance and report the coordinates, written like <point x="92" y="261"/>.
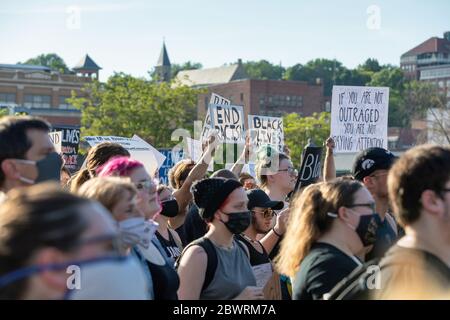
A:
<point x="268" y="97"/>
<point x="262" y="97"/>
<point x="40" y="91"/>
<point x="433" y="52"/>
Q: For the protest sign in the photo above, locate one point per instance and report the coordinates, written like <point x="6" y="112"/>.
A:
<point x="359" y="118"/>
<point x="139" y="150"/>
<point x="266" y="130"/>
<point x="70" y="141"/>
<point x="172" y="157"/>
<point x="228" y="121"/>
<point x="272" y="290"/>
<point x="215" y="99"/>
<point x="56" y="138"/>
<point x="310" y="167"/>
<point x="195" y="151"/>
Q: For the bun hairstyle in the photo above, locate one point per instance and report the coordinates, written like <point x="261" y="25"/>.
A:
<point x="210" y="194"/>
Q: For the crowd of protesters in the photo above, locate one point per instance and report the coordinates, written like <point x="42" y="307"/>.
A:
<point x="382" y="232"/>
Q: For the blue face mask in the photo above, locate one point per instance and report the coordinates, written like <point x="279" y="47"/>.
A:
<point x="104" y="278"/>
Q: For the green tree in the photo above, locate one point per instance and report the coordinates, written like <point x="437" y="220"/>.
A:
<point x="125" y="105"/>
<point x="330" y="72"/>
<point x="263" y="70"/>
<point x="51" y="60"/>
<point x="297" y="131"/>
<point x="371" y="65"/>
<point x="393" y="77"/>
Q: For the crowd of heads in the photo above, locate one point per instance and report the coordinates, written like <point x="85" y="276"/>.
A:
<point x="135" y="238"/>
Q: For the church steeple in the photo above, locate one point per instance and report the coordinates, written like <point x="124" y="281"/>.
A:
<point x="163" y="66"/>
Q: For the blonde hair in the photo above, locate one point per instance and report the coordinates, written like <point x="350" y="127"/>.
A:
<point x="309" y="220"/>
<point x="107" y="190"/>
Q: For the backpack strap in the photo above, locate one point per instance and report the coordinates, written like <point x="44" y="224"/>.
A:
<point x="211" y="254"/>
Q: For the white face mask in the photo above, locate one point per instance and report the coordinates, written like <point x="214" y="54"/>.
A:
<point x="137" y="230"/>
<point x="120" y="278"/>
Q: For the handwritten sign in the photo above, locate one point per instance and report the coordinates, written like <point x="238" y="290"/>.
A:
<point x="195" y="151"/>
<point x="272" y="290"/>
<point x="359" y="118"/>
<point x="69" y="146"/>
<point x="56" y="138"/>
<point x="217" y="100"/>
<point x="228" y="120"/>
<point x="266" y="130"/>
<point x="310" y="167"/>
<point x="172" y="157"/>
<point x="139" y="150"/>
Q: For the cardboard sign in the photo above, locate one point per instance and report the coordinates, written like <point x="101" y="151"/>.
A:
<point x="228" y="120"/>
<point x="56" y="138"/>
<point x="215" y="99"/>
<point x="272" y="290"/>
<point x="70" y="141"/>
<point x="139" y="150"/>
<point x="172" y="157"/>
<point x="266" y="130"/>
<point x="195" y="151"/>
<point x="310" y="167"/>
<point x="359" y="118"/>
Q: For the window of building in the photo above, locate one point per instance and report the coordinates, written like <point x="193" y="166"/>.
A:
<point x="441" y="84"/>
<point x="64" y="104"/>
<point x="242" y="97"/>
<point x="7" y="98"/>
<point x="37" y="101"/>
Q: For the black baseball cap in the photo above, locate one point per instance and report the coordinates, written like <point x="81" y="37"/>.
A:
<point x="258" y="198"/>
<point x="370" y="160"/>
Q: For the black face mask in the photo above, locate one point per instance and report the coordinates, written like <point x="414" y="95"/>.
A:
<point x="49" y="168"/>
<point x="238" y="222"/>
<point x="169" y="208"/>
<point x="367" y="229"/>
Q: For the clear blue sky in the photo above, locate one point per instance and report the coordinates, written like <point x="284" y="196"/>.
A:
<point x="127" y="35"/>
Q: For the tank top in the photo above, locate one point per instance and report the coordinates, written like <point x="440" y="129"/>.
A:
<point x="169" y="246"/>
<point x="233" y="274"/>
<point x="256" y="257"/>
<point x="165" y="278"/>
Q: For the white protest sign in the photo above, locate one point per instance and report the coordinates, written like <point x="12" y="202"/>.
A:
<point x="195" y="151"/>
<point x="56" y="138"/>
<point x="139" y="150"/>
<point x="266" y="130"/>
<point x="228" y="121"/>
<point x="215" y="99"/>
<point x="359" y="118"/>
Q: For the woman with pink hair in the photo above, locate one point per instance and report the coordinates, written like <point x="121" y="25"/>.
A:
<point x="150" y="252"/>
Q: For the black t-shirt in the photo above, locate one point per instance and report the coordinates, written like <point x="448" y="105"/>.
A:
<point x="194" y="227"/>
<point x="256" y="257"/>
<point x="386" y="237"/>
<point x="320" y="271"/>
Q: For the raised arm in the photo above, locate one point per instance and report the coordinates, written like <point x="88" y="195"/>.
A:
<point x="329" y="168"/>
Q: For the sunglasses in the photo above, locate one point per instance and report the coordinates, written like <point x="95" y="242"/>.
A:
<point x="267" y="213"/>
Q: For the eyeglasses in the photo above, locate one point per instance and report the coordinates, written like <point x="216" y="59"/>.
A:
<point x="368" y="205"/>
<point x="267" y="213"/>
<point x="147" y="185"/>
<point x="291" y="171"/>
